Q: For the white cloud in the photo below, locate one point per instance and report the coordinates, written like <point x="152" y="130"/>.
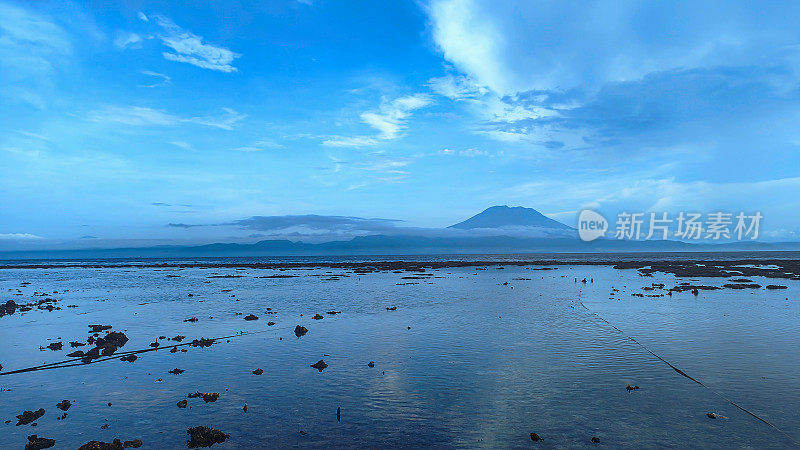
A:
<point x="468" y="39"/>
<point x="163" y="79"/>
<point x="142" y="116"/>
<point x="190" y="48"/>
<point x="183" y="145"/>
<point x="33" y="49"/>
<point x="126" y="39"/>
<point x="259" y="145"/>
<point x="350" y="141"/>
<point x="390" y="119"/>
<point x="457" y="87"/>
<point x="142" y="17"/>
<point x="18" y="236"/>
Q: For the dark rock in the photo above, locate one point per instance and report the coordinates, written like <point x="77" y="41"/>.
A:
<point x="74" y="344"/>
<point x="176" y="371"/>
<point x="202" y="342"/>
<point x="111" y="342"/>
<point x="631" y="388"/>
<point x="97" y="445"/>
<point x="317" y="317"/>
<point x="37" y="443"/>
<point x="206" y="396"/>
<point x="775" y="286"/>
<point x="136" y="443"/>
<point x="192" y="319"/>
<point x="179" y="338"/>
<point x="371" y="364"/>
<point x="8" y="308"/>
<point x="76" y="354"/>
<point x="182" y="403"/>
<point x="595" y="440"/>
<point x="129" y="358"/>
<point x="334" y="312"/>
<point x="251" y="317"/>
<point x="154" y="344"/>
<point x="269" y="324"/>
<point x="205" y="437"/>
<point x="64" y="405"/>
<point x="258" y="371"/>
<point x="90" y="355"/>
<point x="300" y="331"/>
<point x="535" y="437"/>
<point x="391" y="308"/>
<point x="29" y="416"/>
<point x="319" y="365"/>
<point x="99" y="328"/>
<point x="742" y="286"/>
<point x="55" y="346"/>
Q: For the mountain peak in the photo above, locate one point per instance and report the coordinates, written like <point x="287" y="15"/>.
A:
<point x="505" y="216"/>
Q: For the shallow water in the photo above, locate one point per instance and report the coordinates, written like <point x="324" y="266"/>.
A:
<point x="483" y="364"/>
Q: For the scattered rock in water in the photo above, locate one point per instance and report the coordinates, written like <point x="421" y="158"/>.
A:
<point x="300" y="331"/>
<point x="154" y="344"/>
<point x="99" y="328"/>
<point x="104" y="426"/>
<point x="269" y="324"/>
<point x="391" y="308"/>
<point x="202" y="342"/>
<point x="116" y="444"/>
<point x="630" y="388"/>
<point x="205" y="437"/>
<point x="338" y="413"/>
<point x="76" y="354"/>
<point x="251" y="317"/>
<point x="371" y="364"/>
<point x="258" y="371"/>
<point x="191" y="319"/>
<point x="176" y="371"/>
<point x="182" y="403"/>
<point x="317" y="317"/>
<point x="742" y="286"/>
<point x="111" y="342"/>
<point x="776" y="286"/>
<point x="8" y="308"/>
<point x="91" y="355"/>
<point x="334" y="312"/>
<point x="303" y="433"/>
<point x="129" y="358"/>
<point x="535" y="437"/>
<point x="206" y="396"/>
<point x="29" y="416"/>
<point x="179" y="338"/>
<point x="245" y="407"/>
<point x="595" y="440"/>
<point x="75" y="344"/>
<point x="174" y="350"/>
<point x="712" y="415"/>
<point x="37" y="443"/>
<point x="64" y="405"/>
<point x="55" y="346"/>
<point x="319" y="365"/>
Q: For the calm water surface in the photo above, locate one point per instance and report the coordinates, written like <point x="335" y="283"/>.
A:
<point x="483" y="364"/>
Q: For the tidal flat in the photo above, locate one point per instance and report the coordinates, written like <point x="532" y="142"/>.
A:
<point x="554" y="351"/>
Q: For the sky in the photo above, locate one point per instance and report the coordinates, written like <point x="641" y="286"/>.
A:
<point x="160" y="122"/>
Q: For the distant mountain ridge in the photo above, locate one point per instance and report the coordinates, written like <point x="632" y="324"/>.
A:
<point x="504" y="216"/>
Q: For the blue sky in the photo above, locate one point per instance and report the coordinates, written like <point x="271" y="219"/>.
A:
<point x="116" y="121"/>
